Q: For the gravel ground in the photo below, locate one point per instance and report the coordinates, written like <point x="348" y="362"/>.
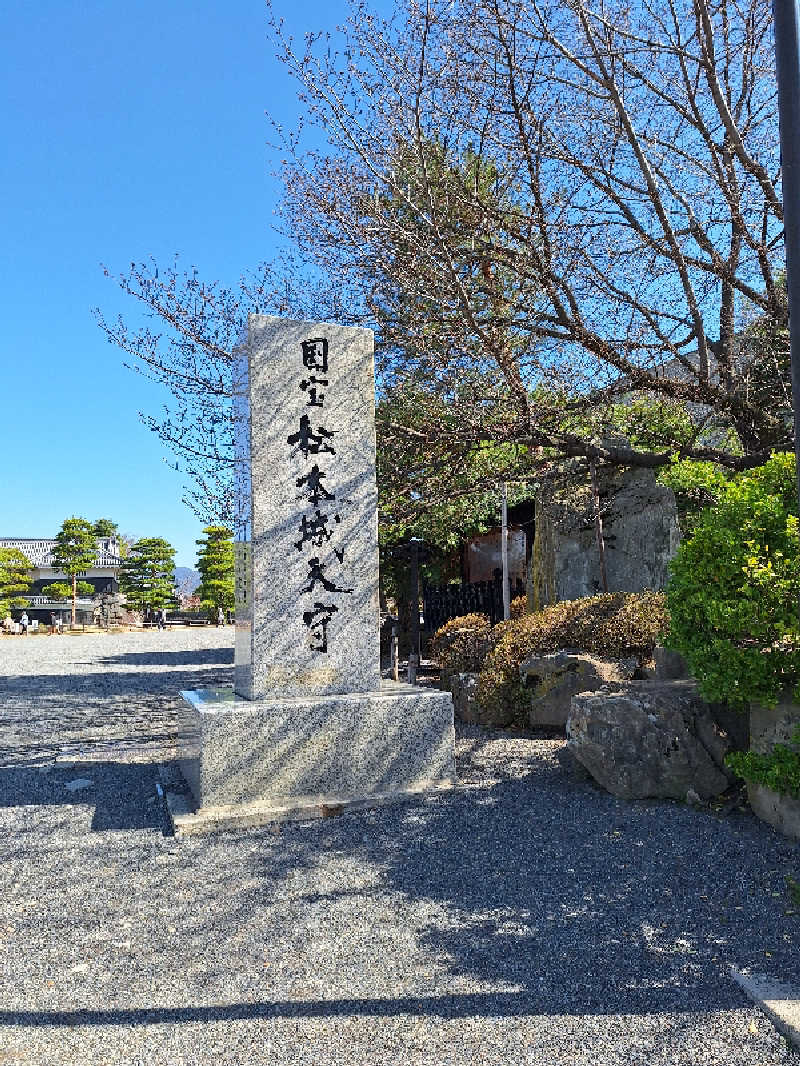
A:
<point x="524" y="918"/>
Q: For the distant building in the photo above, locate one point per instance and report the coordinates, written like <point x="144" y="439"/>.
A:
<point x="103" y="575"/>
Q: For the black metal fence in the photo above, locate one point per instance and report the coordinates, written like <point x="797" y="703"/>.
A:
<point x="443" y="602"/>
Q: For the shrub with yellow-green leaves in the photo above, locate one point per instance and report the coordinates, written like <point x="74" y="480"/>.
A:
<point x="616" y="625"/>
<point x="519" y="606"/>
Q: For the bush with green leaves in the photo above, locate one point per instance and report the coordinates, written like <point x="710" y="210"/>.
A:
<point x="734" y="588"/>
<point x="778" y="769"/>
<point x="616" y="625"/>
<point x="697" y="486"/>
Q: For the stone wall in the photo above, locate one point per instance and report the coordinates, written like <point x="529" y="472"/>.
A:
<point x="641" y="535"/>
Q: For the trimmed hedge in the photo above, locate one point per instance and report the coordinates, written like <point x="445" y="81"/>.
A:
<point x="519" y="606"/>
<point x="616" y="625"/>
<point x="460" y="645"/>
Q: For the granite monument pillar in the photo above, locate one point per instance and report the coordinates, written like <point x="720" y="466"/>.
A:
<point x="309" y="727"/>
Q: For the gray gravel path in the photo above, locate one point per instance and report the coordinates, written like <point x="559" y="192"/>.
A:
<point x="526" y="918"/>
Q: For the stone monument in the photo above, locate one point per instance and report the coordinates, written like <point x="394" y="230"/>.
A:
<point x="309" y="727"/>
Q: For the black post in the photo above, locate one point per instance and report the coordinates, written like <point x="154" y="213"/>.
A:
<point x="787" y="66"/>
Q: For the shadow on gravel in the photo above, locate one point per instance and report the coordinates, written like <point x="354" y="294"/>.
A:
<point x="194" y="657"/>
<point x="569" y="900"/>
<point x="123" y="795"/>
<point x="142" y="684"/>
<point x="475" y="1004"/>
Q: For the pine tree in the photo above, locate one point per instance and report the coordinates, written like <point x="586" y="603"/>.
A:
<point x="15" y="579"/>
<point x="62" y="590"/>
<point x="104" y="527"/>
<point x="215" y="564"/>
<point x="75" y="551"/>
<point x="146" y="575"/>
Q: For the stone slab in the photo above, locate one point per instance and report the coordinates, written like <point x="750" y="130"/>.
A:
<point x="781" y="812"/>
<point x="289" y="752"/>
<point x="189" y="821"/>
<point x="773" y="725"/>
<point x="307" y="608"/>
<point x="778" y="1000"/>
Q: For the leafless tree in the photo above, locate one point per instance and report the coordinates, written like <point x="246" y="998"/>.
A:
<point x="547" y="207"/>
<point x="543" y="208"/>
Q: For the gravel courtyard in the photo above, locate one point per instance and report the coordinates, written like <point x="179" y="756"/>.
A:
<point x="525" y="918"/>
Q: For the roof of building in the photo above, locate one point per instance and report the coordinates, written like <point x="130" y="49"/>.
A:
<point x="40" y="550"/>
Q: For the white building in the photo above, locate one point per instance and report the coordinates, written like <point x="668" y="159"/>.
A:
<point x="103" y="575"/>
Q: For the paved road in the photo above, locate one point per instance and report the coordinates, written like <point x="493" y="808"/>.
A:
<point x="526" y="918"/>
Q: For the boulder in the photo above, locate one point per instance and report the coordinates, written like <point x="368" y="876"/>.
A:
<point x="554" y="679"/>
<point x="465" y="700"/>
<point x="648" y="738"/>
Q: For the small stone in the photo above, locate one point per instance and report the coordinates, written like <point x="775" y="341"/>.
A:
<point x="78" y="783"/>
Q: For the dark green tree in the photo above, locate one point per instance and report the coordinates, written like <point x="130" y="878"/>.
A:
<point x="75" y="551"/>
<point x="104" y="527"/>
<point x="15" y="579"/>
<point x="215" y="563"/>
<point x="146" y="575"/>
<point x="62" y="590"/>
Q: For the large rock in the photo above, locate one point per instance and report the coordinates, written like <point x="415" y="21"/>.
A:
<point x="640" y="524"/>
<point x="649" y="739"/>
<point x="555" y="679"/>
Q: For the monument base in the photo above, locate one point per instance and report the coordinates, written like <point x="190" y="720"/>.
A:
<point x="248" y="762"/>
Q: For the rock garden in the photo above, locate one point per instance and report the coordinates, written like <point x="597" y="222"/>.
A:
<point x="682" y="695"/>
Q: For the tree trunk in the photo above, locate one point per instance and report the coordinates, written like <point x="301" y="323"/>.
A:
<point x="74" y="595"/>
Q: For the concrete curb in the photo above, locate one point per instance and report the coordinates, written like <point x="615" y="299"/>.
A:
<point x="778" y="1000"/>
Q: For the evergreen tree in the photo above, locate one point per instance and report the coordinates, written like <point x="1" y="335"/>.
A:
<point x="75" y="551"/>
<point x="62" y="590"/>
<point x="15" y="579"/>
<point x="104" y="527"/>
<point x="215" y="563"/>
<point x="146" y="575"/>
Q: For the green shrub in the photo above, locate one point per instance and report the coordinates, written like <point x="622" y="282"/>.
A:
<point x="461" y="645"/>
<point x="779" y="770"/>
<point x="734" y="586"/>
<point x="613" y="626"/>
<point x="697" y="486"/>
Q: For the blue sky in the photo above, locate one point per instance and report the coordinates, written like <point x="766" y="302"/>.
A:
<point x="127" y="130"/>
